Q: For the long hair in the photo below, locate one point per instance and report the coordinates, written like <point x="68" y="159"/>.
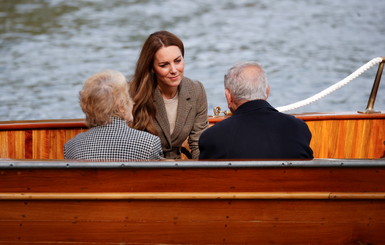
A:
<point x="143" y="84"/>
<point x="105" y="95"/>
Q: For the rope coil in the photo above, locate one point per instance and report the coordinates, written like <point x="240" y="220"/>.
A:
<point x="332" y="88"/>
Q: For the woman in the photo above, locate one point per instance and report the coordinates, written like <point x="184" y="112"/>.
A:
<point x="168" y="104"/>
<point x="108" y="107"/>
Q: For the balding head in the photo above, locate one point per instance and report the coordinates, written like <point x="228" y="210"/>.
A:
<point x="244" y="82"/>
<point x="247" y="81"/>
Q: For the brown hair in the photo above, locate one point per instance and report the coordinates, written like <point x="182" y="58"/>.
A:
<point x="143" y="84"/>
<point x="105" y="95"/>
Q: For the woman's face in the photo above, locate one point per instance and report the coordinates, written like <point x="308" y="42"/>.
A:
<point x="169" y="66"/>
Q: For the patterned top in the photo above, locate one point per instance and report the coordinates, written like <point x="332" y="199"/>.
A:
<point x="114" y="141"/>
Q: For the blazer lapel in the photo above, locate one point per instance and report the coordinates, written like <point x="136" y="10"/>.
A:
<point x="161" y="114"/>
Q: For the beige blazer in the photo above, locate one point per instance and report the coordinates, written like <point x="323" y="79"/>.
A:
<point x="191" y="119"/>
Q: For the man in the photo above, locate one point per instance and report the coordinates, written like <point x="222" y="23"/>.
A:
<point x="108" y="108"/>
<point x="256" y="129"/>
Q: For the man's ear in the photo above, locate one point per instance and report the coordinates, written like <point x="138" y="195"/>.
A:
<point x="267" y="91"/>
<point x="230" y="101"/>
<point x="229" y="98"/>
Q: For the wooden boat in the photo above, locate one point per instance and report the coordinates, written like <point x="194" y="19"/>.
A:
<point x="337" y="135"/>
<point x="336" y="198"/>
<point x="321" y="201"/>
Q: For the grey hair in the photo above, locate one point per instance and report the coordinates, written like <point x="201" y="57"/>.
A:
<point x="105" y="95"/>
<point x="247" y="85"/>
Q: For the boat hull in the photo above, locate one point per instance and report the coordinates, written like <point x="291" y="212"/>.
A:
<point x="193" y="202"/>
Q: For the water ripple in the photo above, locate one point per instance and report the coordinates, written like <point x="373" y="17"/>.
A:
<point x="49" y="47"/>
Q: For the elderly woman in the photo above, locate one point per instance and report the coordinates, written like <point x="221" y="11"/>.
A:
<point x="108" y="108"/>
<point x="167" y="103"/>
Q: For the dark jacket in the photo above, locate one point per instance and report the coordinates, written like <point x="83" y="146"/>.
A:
<point x="257" y="130"/>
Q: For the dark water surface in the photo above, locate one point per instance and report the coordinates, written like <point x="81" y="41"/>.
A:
<point x="49" y="47"/>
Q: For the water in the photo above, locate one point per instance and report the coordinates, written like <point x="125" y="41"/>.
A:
<point x="49" y="48"/>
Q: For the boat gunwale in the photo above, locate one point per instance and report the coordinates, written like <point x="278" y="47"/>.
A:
<point x="75" y="164"/>
<point x="80" y="123"/>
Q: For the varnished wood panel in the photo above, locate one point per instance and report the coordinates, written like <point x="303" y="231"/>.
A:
<point x="345" y="179"/>
<point x="334" y="136"/>
<point x="36" y="143"/>
<point x="361" y="138"/>
<point x="193" y="222"/>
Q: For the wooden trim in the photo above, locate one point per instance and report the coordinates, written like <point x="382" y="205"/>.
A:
<point x="9" y="164"/>
<point x="80" y="123"/>
<point x="192" y="195"/>
<point x="343" y="135"/>
<point x="43" y="124"/>
<point x="321" y="116"/>
<point x="339" y="116"/>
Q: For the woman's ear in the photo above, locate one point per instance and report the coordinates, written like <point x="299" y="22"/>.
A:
<point x="123" y="113"/>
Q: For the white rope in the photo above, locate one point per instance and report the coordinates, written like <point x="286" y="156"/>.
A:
<point x="332" y="88"/>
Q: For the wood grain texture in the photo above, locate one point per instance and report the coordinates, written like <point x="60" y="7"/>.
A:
<point x="351" y="135"/>
<point x="347" y="179"/>
<point x="171" y="221"/>
<point x="193" y="222"/>
<point x="55" y="196"/>
<point x="351" y="138"/>
<point x="36" y="143"/>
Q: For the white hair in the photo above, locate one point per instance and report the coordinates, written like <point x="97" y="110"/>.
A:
<point x="247" y="81"/>
<point x="104" y="95"/>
